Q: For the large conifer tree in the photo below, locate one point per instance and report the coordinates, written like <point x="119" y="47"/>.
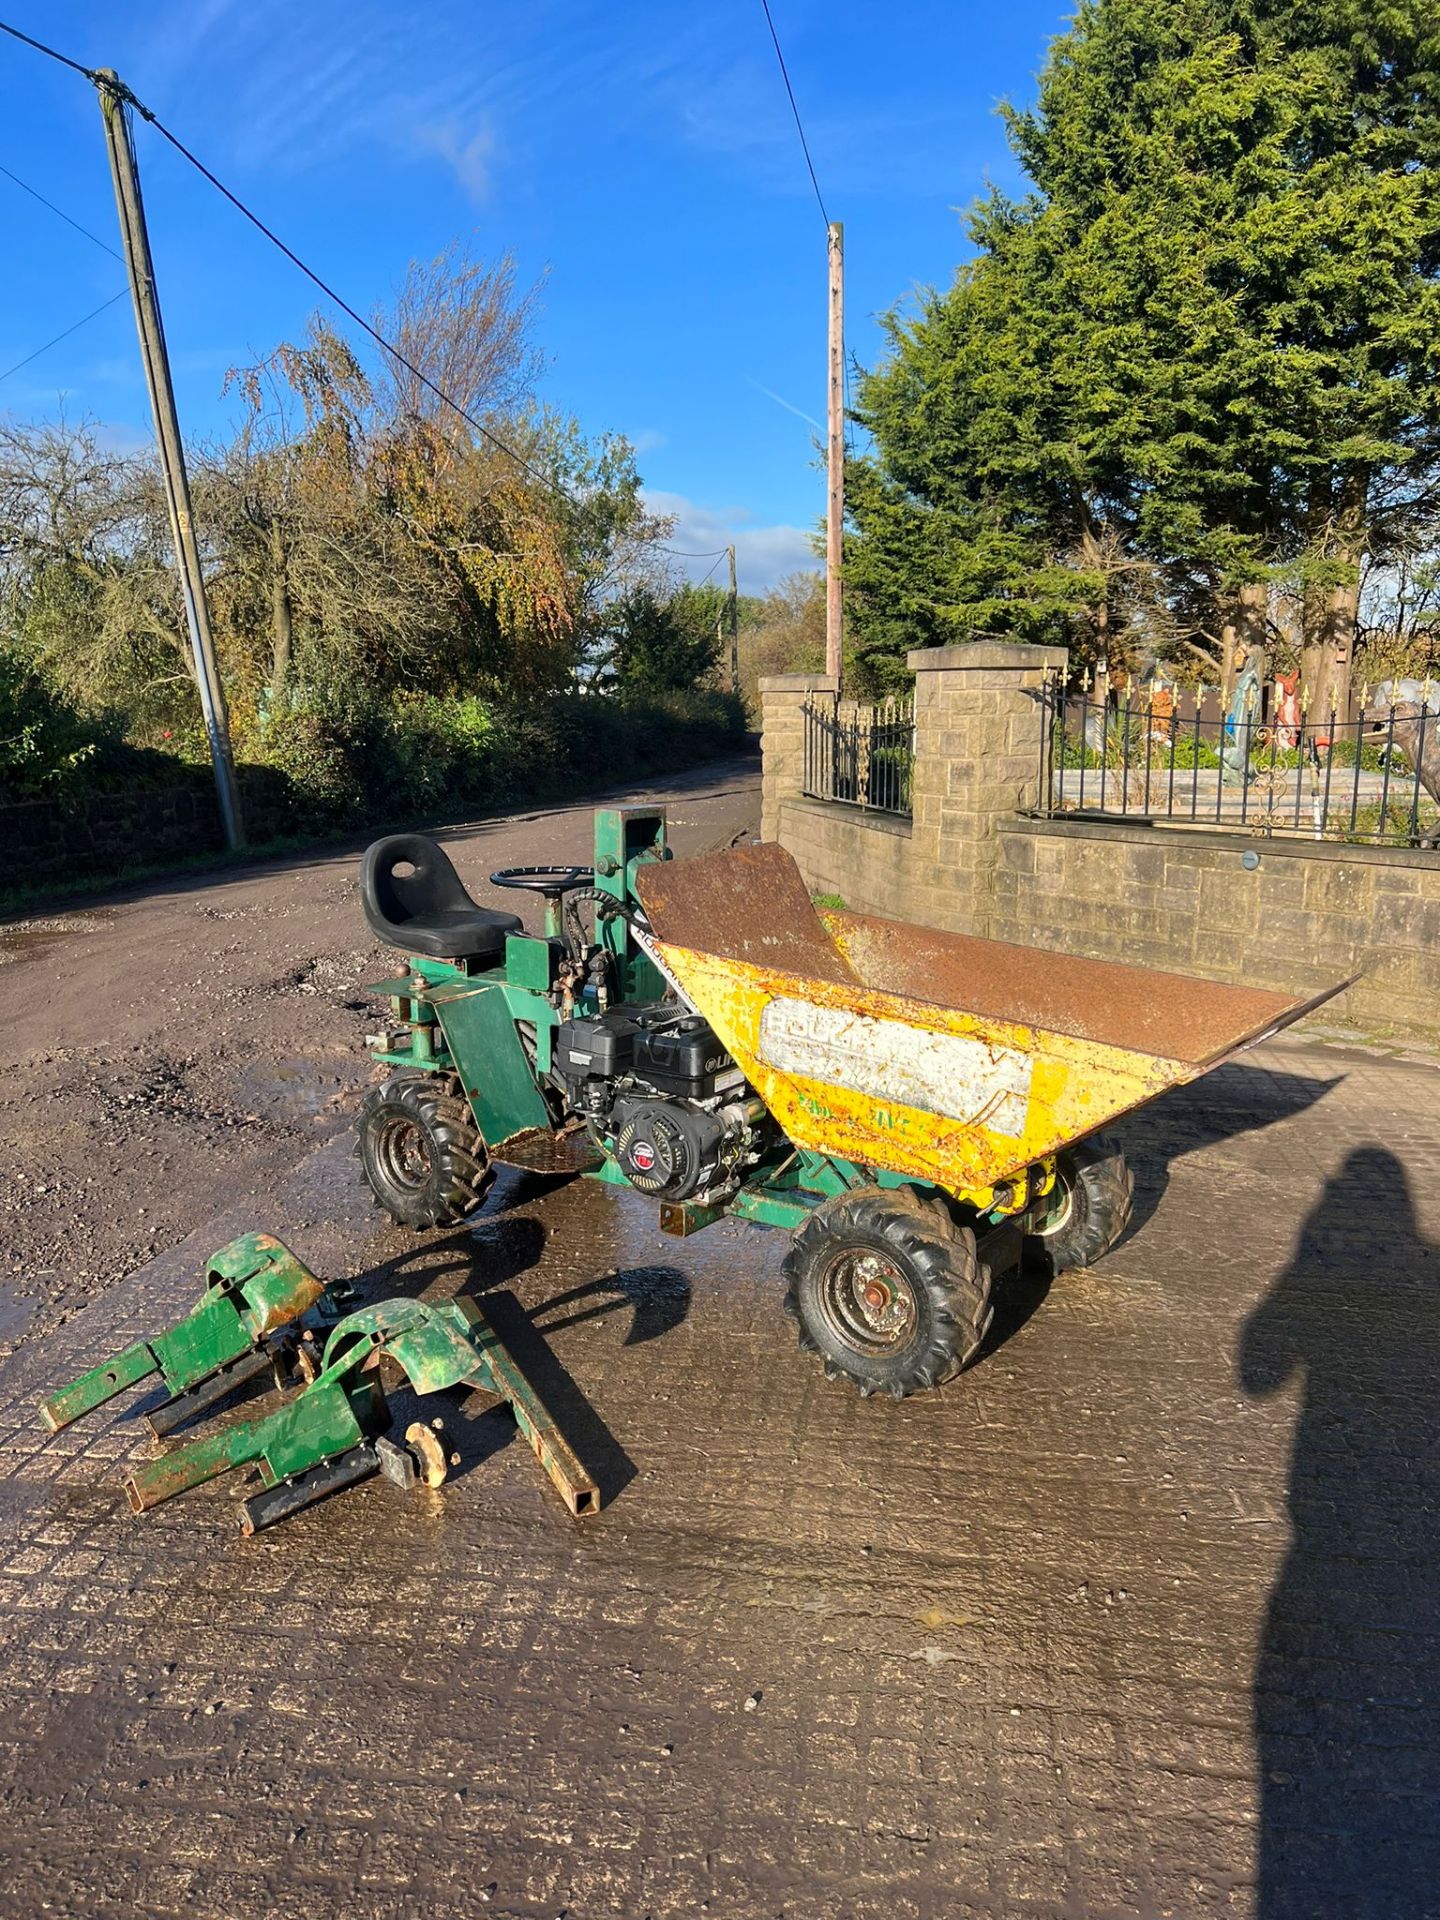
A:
<point x="1203" y="352"/>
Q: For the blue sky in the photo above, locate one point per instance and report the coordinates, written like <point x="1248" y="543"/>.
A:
<point x="640" y="157"/>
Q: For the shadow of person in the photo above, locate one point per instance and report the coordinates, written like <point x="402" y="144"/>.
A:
<point x="1347" y="1685"/>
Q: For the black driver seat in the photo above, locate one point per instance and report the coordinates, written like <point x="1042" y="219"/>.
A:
<point x="428" y="910"/>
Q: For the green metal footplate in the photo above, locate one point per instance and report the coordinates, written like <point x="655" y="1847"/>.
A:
<point x="334" y="1431"/>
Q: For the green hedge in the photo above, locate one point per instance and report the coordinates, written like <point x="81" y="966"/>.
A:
<point x="421" y="753"/>
<point x="350" y="758"/>
<point x="49" y="749"/>
<point x="417" y="755"/>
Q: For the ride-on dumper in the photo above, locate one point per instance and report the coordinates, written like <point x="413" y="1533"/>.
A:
<point x="921" y="1110"/>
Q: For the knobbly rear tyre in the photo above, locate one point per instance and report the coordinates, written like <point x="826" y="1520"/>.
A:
<point x="421" y="1151"/>
<point x="1092" y="1201"/>
<point x="887" y="1290"/>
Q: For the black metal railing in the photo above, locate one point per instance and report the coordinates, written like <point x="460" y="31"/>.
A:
<point x="1262" y="767"/>
<point x="862" y="755"/>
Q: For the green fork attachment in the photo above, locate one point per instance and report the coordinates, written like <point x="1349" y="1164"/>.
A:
<point x="335" y="1430"/>
<point x="259" y="1306"/>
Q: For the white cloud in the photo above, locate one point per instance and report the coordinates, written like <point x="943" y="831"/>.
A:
<point x="763" y="555"/>
<point x="306" y="86"/>
<point x="470" y="160"/>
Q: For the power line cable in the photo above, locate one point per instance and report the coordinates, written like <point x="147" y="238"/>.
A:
<point x="799" y="126"/>
<point x="544" y="479"/>
<point x="60" y="212"/>
<point x="40" y="47"/>
<point x="129" y="100"/>
<point x="93" y="315"/>
<point x="819" y="197"/>
<point x="344" y="305"/>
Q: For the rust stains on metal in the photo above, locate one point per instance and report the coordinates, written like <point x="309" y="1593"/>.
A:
<point x="567" y="1476"/>
<point x="751" y="904"/>
<point x="957" y="1096"/>
<point x="288" y="1298"/>
<point x="178" y="1471"/>
<point x="745" y="903"/>
<point x="1172" y="1015"/>
<point x="433" y="1449"/>
<point x="500" y="1374"/>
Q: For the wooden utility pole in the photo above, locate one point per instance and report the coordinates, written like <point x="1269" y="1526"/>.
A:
<point x="835" y="515"/>
<point x="141" y="268"/>
<point x="732" y="622"/>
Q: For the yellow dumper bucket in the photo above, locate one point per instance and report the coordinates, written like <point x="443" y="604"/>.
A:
<point x="952" y="1059"/>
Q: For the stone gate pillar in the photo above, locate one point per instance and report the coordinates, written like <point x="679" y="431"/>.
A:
<point x="978" y="728"/>
<point x="782" y="740"/>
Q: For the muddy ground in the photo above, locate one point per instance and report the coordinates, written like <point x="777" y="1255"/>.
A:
<point x="183" y="1042"/>
<point x="1138" y="1618"/>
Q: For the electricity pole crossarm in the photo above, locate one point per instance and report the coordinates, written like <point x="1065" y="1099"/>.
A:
<point x="140" y="267"/>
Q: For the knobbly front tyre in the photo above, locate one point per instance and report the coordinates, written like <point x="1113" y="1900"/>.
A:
<point x="1089" y="1209"/>
<point x="421" y="1152"/>
<point x="887" y="1290"/>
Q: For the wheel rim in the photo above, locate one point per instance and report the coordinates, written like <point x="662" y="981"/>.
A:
<point x="867" y="1301"/>
<point x="1061" y="1199"/>
<point x="402" y="1153"/>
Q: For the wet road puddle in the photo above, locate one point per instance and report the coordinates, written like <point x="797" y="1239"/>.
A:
<point x="296" y="1089"/>
<point x="16" y="1313"/>
<point x="30" y="939"/>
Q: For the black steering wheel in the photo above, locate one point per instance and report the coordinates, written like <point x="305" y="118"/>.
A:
<point x="549" y="881"/>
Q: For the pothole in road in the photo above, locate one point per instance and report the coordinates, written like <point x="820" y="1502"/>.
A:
<point x="337" y="976"/>
<point x="162" y="1090"/>
<point x="28" y="939"/>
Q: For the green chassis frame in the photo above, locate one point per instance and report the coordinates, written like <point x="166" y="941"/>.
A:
<point x="450" y="1018"/>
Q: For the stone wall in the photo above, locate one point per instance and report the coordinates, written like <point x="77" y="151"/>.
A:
<point x="1285" y="913"/>
<point x="977" y="760"/>
<point x="1305" y="916"/>
<point x="49" y="841"/>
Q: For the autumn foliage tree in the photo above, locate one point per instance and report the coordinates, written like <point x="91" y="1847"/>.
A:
<point x="365" y="526"/>
<point x="370" y="546"/>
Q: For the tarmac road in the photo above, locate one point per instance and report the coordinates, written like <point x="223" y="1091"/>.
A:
<point x="1137" y="1618"/>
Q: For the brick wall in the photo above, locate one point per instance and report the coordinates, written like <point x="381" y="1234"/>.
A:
<point x="1301" y="915"/>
